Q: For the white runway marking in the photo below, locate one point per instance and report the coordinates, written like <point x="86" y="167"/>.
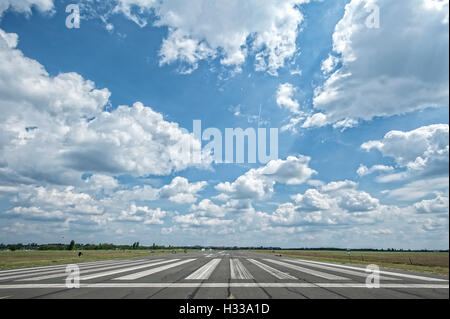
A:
<point x="238" y="270"/>
<point x="152" y="271"/>
<point x="51" y="271"/>
<point x="307" y="271"/>
<point x="274" y="272"/>
<point x="61" y="267"/>
<point x="226" y="285"/>
<point x="205" y="271"/>
<point x="381" y="271"/>
<point x="349" y="272"/>
<point x="113" y="272"/>
<point x="87" y="271"/>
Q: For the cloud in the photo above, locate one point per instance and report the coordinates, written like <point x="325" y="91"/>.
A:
<point x="102" y="182"/>
<point x="136" y="193"/>
<point x="364" y="170"/>
<point x="315" y="120"/>
<point x="25" y="6"/>
<point x="349" y="198"/>
<point x="101" y="200"/>
<point x="312" y="200"/>
<point x="143" y="215"/>
<point x="207" y="208"/>
<point x="358" y="201"/>
<point x="36" y="213"/>
<point x="55" y="202"/>
<point x="255" y="184"/>
<point x="19" y="228"/>
<point x="193" y="220"/>
<point x="8" y="189"/>
<point x="435" y="225"/>
<point x="419" y="189"/>
<point x="206" y="215"/>
<point x="62" y="124"/>
<point x="437" y="205"/>
<point x="202" y="29"/>
<point x="292" y="171"/>
<point x="259" y="183"/>
<point x="329" y="64"/>
<point x="55" y="130"/>
<point x="384" y="70"/>
<point x="422" y="152"/>
<point x="285" y="98"/>
<point x="339" y="186"/>
<point x="337" y="203"/>
<point x="181" y="191"/>
<point x="135" y="140"/>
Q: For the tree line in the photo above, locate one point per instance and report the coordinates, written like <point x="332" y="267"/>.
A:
<point x="136" y="245"/>
<point x="77" y="246"/>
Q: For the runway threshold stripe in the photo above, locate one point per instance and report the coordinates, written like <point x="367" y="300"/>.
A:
<point x="307" y="271"/>
<point x="114" y="272"/>
<point x="343" y="271"/>
<point x="153" y="271"/>
<point x="87" y="271"/>
<point x="274" y="272"/>
<point x="227" y="285"/>
<point x="44" y="268"/>
<point x="238" y="270"/>
<point x="205" y="271"/>
<point x="381" y="271"/>
<point x="52" y="271"/>
<point x="62" y="266"/>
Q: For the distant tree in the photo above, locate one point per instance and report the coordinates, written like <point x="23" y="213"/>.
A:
<point x="72" y="245"/>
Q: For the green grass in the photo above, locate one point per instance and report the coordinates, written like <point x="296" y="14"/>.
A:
<point x="36" y="258"/>
<point x="423" y="262"/>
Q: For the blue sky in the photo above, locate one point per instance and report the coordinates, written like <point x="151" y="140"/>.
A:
<point x="364" y="163"/>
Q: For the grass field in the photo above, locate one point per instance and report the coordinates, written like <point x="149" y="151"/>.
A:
<point x="35" y="258"/>
<point x="425" y="262"/>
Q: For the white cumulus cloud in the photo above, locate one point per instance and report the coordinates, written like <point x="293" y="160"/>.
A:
<point x="61" y="123"/>
<point x="399" y="67"/>
<point x="201" y="29"/>
<point x="25" y="6"/>
<point x="285" y="98"/>
<point x="181" y="191"/>
<point x="259" y="183"/>
<point x="364" y="170"/>
<point x="423" y="151"/>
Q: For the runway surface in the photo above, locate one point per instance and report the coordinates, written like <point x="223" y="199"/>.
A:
<point x="217" y="275"/>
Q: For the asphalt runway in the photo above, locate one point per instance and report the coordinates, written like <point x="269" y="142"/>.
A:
<point x="218" y="275"/>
